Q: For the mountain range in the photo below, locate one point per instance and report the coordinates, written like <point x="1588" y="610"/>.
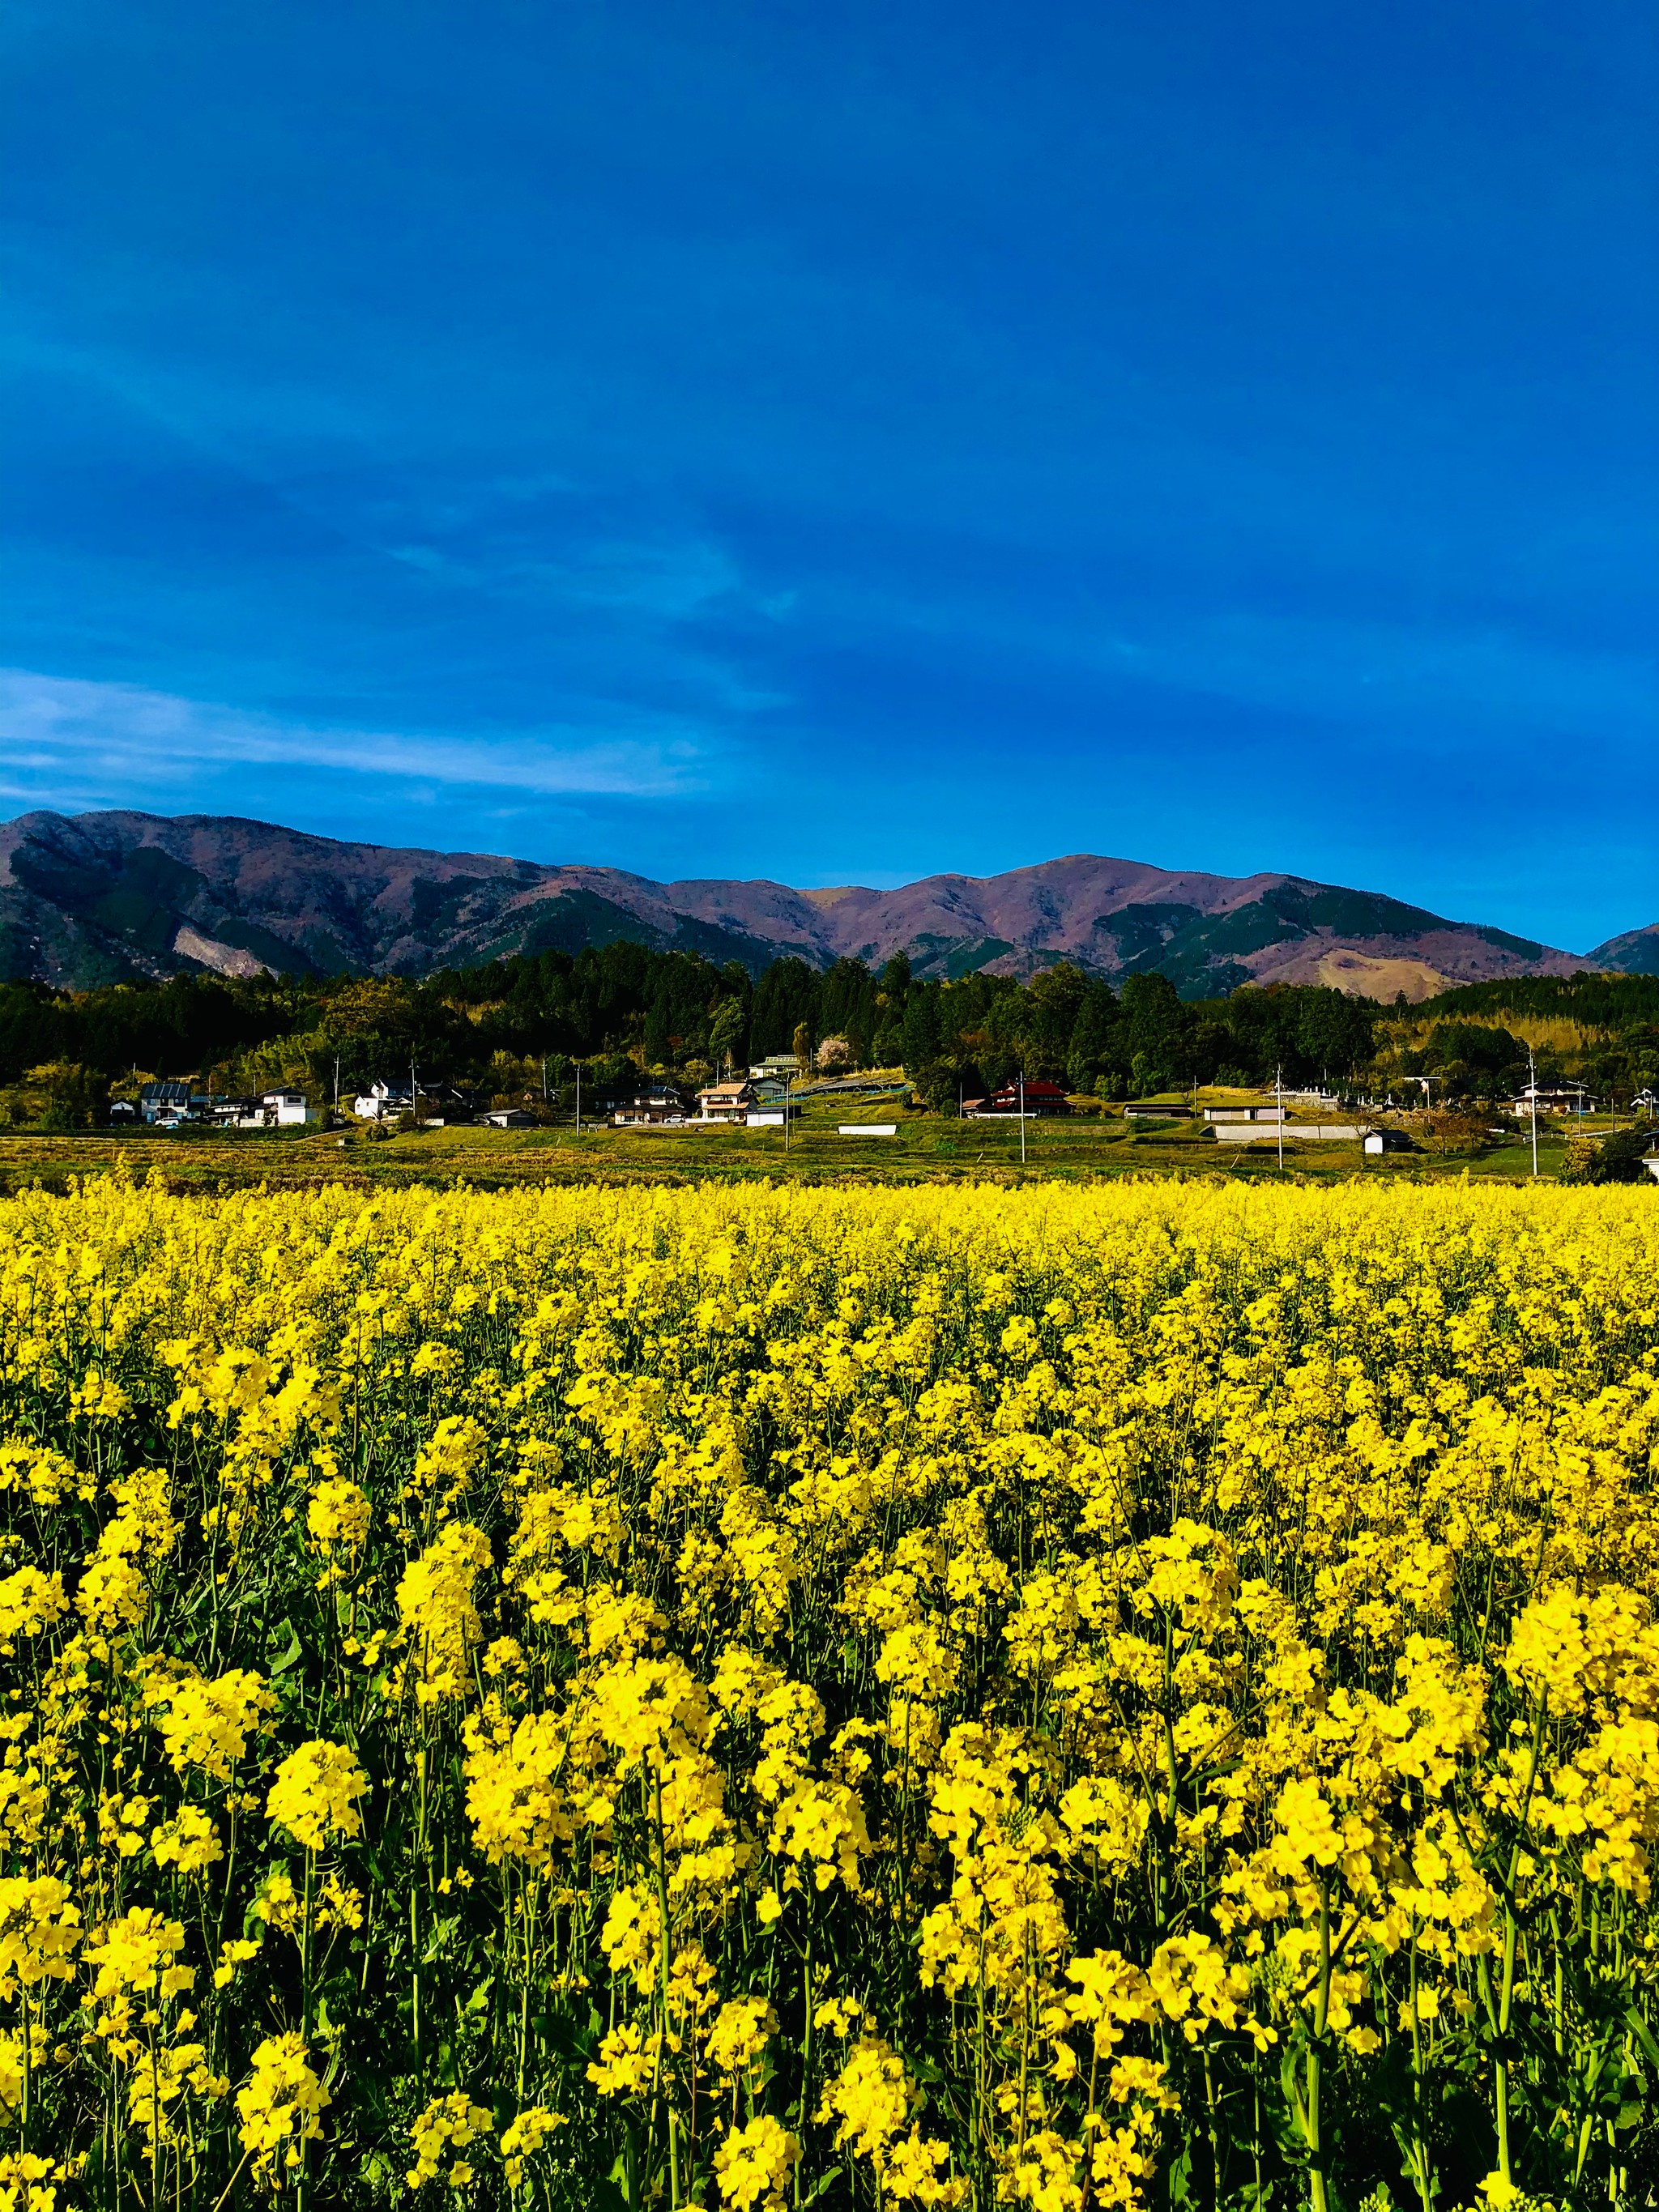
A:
<point x="98" y="898"/>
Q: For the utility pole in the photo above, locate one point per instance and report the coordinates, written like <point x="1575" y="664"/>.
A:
<point x="414" y="1095"/>
<point x="544" y="1079"/>
<point x="1532" y="1100"/>
<point x="1278" y="1093"/>
<point x="337" y="1082"/>
<point x="786" y="1111"/>
<point x="1022" y="1117"/>
<point x="578" y="1098"/>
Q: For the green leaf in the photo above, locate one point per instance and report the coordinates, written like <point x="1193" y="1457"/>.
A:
<point x="1643" y="2034"/>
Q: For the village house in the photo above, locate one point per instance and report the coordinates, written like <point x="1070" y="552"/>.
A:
<point x="1038" y="1097"/>
<point x="381" y="1102"/>
<point x="651" y="1109"/>
<point x="161" y="1104"/>
<point x="228" y="1112"/>
<point x="728" y="1103"/>
<point x="286" y="1109"/>
<point x="170" y="1105"/>
<point x="1553" y="1098"/>
<point x="507" y="1117"/>
<point x="439" y="1103"/>
<point x="435" y="1103"/>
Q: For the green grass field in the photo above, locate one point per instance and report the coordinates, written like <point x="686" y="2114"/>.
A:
<point x="926" y="1148"/>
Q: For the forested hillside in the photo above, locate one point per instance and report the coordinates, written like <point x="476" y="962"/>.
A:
<point x="1599" y="1030"/>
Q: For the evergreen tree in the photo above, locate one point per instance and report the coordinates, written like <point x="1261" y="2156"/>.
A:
<point x="784" y="997"/>
<point x="1090" y="1048"/>
<point x="1157" y="1022"/>
<point x="846" y="1006"/>
<point x="896" y="978"/>
<point x="920" y="1030"/>
<point x="726" y="1033"/>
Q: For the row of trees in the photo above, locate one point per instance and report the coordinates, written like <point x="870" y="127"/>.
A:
<point x="625" y="1011"/>
<point x="516" y="1027"/>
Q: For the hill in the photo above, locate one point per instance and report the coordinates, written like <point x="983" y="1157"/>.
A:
<point x="97" y="898"/>
<point x="1633" y="952"/>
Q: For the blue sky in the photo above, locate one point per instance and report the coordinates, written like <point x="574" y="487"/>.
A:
<point x="843" y="443"/>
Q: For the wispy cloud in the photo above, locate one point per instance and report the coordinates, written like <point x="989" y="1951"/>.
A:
<point x="68" y="741"/>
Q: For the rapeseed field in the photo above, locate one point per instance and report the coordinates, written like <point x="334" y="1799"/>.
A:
<point x="761" y="1698"/>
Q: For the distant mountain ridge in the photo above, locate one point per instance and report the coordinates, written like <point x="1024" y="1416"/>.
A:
<point x="1632" y="952"/>
<point x="96" y="898"/>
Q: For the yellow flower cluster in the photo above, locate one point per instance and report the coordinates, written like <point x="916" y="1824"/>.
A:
<point x="744" y="1698"/>
<point x="280" y="2109"/>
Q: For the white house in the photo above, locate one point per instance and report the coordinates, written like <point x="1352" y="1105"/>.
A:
<point x="381" y="1102"/>
<point x="729" y="1102"/>
<point x="435" y="1103"/>
<point x="285" y="1108"/>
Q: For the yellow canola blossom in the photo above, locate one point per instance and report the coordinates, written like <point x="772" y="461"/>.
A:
<point x="1069" y="1698"/>
<point x="315" y="1794"/>
<point x="280" y="2111"/>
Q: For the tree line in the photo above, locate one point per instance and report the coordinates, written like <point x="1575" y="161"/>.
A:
<point x="518" y="1028"/>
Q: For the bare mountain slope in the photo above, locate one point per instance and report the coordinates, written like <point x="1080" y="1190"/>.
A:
<point x="94" y="897"/>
